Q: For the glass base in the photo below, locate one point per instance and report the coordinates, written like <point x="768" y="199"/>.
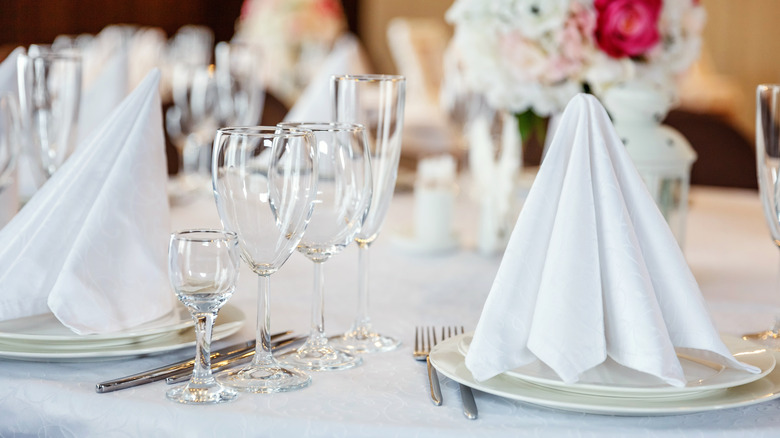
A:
<point x="265" y="379"/>
<point x="768" y="338"/>
<point x="359" y="342"/>
<point x="201" y="394"/>
<point x="320" y="356"/>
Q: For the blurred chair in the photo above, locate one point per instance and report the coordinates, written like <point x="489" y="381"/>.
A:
<point x="417" y="46"/>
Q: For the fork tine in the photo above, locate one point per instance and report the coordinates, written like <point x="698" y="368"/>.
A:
<point x="417" y="339"/>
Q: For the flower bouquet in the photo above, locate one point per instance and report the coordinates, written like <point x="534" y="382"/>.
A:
<point x="529" y="57"/>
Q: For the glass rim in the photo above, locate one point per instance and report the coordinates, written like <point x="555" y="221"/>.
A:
<point x="200" y="235"/>
<point x="323" y="126"/>
<point x="369" y="78"/>
<point x="263" y="131"/>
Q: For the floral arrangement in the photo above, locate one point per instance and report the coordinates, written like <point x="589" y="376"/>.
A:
<point x="531" y="56"/>
<point x="294" y="36"/>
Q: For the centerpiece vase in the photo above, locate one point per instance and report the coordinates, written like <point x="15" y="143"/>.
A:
<point x="661" y="154"/>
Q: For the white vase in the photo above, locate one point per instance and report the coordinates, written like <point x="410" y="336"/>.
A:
<point x="661" y="154"/>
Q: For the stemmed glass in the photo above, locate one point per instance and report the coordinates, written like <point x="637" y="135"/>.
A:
<point x="343" y="196"/>
<point x="49" y="97"/>
<point x="203" y="266"/>
<point x="768" y="168"/>
<point x="377" y="102"/>
<point x="265" y="181"/>
<point x="227" y="93"/>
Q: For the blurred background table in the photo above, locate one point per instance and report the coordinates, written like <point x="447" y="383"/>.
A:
<point x="728" y="248"/>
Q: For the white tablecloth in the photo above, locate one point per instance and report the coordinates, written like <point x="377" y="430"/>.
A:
<point x="728" y="248"/>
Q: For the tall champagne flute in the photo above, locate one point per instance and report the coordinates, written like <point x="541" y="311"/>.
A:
<point x="264" y="181"/>
<point x="343" y="196"/>
<point x="49" y="97"/>
<point x="768" y="169"/>
<point x="203" y="267"/>
<point x="377" y="102"/>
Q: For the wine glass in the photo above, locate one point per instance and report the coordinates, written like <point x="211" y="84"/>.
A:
<point x="377" y="102"/>
<point x="203" y="266"/>
<point x="343" y="196"/>
<point x="265" y="181"/>
<point x="227" y="93"/>
<point x="768" y="168"/>
<point x="49" y="97"/>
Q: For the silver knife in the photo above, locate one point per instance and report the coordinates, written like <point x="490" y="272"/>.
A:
<point x="162" y="372"/>
<point x="469" y="405"/>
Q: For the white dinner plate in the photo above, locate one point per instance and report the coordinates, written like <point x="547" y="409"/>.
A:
<point x="615" y="380"/>
<point x="46" y="329"/>
<point x="450" y="362"/>
<point x="230" y="320"/>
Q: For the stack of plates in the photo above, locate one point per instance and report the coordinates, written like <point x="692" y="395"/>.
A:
<point x="615" y="390"/>
<point x="44" y="338"/>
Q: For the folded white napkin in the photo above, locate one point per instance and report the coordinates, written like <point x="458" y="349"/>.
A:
<point x="91" y="245"/>
<point x="103" y="93"/>
<point x="314" y="104"/>
<point x="592" y="270"/>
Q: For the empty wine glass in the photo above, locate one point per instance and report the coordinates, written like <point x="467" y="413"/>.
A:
<point x="203" y="266"/>
<point x="49" y="97"/>
<point x="768" y="168"/>
<point x="227" y="93"/>
<point x="377" y="102"/>
<point x="264" y="184"/>
<point x="343" y="196"/>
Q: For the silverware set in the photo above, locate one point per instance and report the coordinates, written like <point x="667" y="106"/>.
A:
<point x="424" y="340"/>
<point x="222" y="359"/>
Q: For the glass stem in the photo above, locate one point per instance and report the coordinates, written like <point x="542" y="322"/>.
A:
<point x="202" y="368"/>
<point x="263" y="354"/>
<point x="363" y="322"/>
<point x="318" y="304"/>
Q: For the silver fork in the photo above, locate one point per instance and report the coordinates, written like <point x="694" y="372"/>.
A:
<point x="421" y="351"/>
<point x="424" y="340"/>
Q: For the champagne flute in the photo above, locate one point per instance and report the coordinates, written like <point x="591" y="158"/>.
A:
<point x="343" y="196"/>
<point x="377" y="102"/>
<point x="768" y="169"/>
<point x="49" y="97"/>
<point x="264" y="181"/>
<point x="10" y="133"/>
<point x="203" y="266"/>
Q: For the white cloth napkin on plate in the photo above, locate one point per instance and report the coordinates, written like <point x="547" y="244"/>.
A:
<point x="314" y="104"/>
<point x="592" y="270"/>
<point x="91" y="245"/>
<point x="9" y="196"/>
<point x="103" y="93"/>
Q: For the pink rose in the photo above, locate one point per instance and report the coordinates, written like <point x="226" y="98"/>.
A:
<point x="627" y="27"/>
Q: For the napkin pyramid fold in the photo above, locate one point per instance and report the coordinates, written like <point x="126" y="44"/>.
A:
<point x="90" y="245"/>
<point x="592" y="270"/>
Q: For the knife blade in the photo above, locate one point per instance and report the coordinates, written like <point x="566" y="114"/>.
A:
<point x="162" y="372"/>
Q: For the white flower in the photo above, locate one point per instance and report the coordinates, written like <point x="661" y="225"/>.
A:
<point x="534" y="18"/>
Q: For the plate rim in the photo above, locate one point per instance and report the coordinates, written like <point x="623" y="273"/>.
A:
<point x="183" y="321"/>
<point x="223" y="328"/>
<point x="743" y="395"/>
<point x="731" y="342"/>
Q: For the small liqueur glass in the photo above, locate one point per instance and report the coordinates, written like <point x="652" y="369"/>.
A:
<point x="203" y="267"/>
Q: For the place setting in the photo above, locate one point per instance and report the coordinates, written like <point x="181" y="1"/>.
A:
<point x="601" y="315"/>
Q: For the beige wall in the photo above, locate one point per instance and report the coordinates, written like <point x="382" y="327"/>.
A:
<point x="742" y="38"/>
<point x="374" y="16"/>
